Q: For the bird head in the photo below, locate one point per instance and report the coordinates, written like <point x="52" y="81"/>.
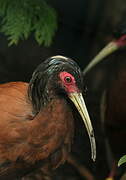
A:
<point x="59" y="76"/>
<point x="118" y="42"/>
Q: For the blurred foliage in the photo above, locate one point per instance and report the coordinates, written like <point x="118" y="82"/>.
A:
<point x="20" y="18"/>
<point x="122" y="160"/>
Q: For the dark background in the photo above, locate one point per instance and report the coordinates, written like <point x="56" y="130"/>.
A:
<point x="84" y="27"/>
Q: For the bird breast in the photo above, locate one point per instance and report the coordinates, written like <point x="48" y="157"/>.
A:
<point x="52" y="132"/>
<point x="48" y="135"/>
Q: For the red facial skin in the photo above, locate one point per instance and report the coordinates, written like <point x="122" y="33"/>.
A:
<point x="121" y="42"/>
<point x="70" y="86"/>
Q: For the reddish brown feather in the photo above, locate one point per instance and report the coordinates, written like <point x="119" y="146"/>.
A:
<point x="48" y="135"/>
<point x="115" y="116"/>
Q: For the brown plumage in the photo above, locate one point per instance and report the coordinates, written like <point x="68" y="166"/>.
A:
<point x="115" y="118"/>
<point x="37" y="123"/>
<point x="115" y="114"/>
<point x="44" y="134"/>
<point x="114" y="98"/>
<point x="17" y="118"/>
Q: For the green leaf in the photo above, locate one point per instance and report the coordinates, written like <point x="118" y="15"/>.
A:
<point x="122" y="160"/>
<point x="21" y="18"/>
<point x="45" y="30"/>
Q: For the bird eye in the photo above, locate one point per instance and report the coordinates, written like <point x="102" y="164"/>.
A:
<point x="68" y="79"/>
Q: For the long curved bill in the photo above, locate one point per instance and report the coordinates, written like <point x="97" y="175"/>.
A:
<point x="109" y="49"/>
<point x="78" y="101"/>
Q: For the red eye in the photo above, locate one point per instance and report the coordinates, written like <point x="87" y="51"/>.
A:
<point x="68" y="79"/>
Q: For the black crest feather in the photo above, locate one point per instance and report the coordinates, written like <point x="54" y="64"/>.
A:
<point x="38" y="86"/>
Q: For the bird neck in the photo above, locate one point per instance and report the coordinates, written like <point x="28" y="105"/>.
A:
<point x="51" y="132"/>
<point x="40" y="98"/>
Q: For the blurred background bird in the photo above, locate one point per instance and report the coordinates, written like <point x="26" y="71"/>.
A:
<point x="113" y="101"/>
<point x="80" y="31"/>
<point x="37" y="119"/>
